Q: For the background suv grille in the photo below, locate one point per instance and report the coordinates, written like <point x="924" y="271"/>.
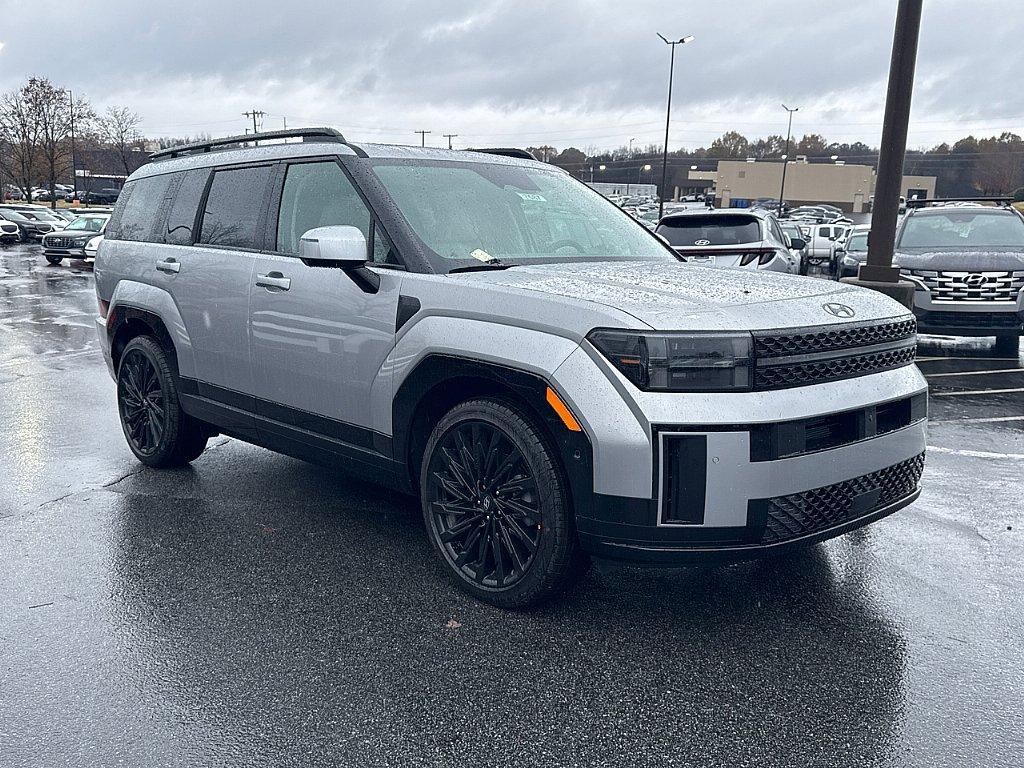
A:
<point x="819" y="509"/>
<point x="971" y="286"/>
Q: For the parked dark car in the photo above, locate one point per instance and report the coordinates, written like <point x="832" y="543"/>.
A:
<point x="70" y="243"/>
<point x="96" y="197"/>
<point x="31" y="225"/>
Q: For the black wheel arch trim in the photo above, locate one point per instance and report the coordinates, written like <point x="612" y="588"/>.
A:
<point x="527" y="387"/>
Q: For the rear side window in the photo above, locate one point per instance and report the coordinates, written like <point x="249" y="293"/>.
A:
<point x="317" y="195"/>
<point x="181" y="217"/>
<point x="725" y="229"/>
<point x="139" y="216"/>
<point x="232" y="212"/>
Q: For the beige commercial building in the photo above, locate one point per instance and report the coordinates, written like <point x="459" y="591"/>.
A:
<point x="739" y="183"/>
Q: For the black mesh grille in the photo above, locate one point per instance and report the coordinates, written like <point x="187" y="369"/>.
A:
<point x="809" y="512"/>
<point x="774" y="344"/>
<point x="817" y="371"/>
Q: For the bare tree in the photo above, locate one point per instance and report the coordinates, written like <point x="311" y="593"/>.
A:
<point x="57" y="115"/>
<point x="119" y="127"/>
<point x="19" y="138"/>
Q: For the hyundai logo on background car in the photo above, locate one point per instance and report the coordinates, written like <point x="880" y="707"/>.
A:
<point x="839" y="310"/>
<point x="975" y="280"/>
<point x="702" y="242"/>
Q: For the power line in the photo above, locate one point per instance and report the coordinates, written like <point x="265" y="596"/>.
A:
<point x="255" y="113"/>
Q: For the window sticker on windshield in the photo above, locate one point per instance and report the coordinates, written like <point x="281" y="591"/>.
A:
<point x="532" y="197"/>
<point x="481" y="255"/>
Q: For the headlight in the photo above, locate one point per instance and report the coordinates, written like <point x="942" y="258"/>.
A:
<point x="679" y="362"/>
<point x="94" y="243"/>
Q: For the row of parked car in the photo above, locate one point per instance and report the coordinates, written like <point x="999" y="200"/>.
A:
<point x="64" y="233"/>
<point x="65" y="192"/>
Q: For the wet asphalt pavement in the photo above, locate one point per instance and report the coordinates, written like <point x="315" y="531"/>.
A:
<point x="255" y="610"/>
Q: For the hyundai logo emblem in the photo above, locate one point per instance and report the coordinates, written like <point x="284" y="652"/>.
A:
<point x="839" y="310"/>
<point x="702" y="242"/>
<point x="975" y="280"/>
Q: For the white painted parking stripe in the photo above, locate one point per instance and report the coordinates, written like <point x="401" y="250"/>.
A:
<point x="973" y="373"/>
<point x="979" y="420"/>
<point x="975" y="358"/>
<point x="976" y="454"/>
<point x="977" y="392"/>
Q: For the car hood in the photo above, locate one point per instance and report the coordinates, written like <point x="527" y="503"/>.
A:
<point x="676" y="296"/>
<point x="961" y="259"/>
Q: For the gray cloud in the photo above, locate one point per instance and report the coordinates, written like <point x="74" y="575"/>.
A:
<point x="584" y="73"/>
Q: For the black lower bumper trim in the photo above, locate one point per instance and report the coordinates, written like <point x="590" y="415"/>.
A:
<point x="668" y="555"/>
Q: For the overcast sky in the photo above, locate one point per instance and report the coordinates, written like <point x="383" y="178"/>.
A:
<point x="514" y="72"/>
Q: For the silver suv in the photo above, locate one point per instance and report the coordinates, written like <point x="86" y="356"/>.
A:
<point x="484" y="331"/>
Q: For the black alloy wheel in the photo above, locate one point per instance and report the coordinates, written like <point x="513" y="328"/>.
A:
<point x="143" y="407"/>
<point x="158" y="431"/>
<point x="496" y="506"/>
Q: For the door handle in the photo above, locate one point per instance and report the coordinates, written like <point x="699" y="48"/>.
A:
<point x="274" y="280"/>
<point x="170" y="265"/>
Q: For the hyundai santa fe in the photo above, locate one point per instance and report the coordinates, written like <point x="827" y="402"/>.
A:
<point x="485" y="332"/>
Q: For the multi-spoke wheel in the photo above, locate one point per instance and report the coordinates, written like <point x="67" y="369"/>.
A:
<point x="495" y="505"/>
<point x="159" y="433"/>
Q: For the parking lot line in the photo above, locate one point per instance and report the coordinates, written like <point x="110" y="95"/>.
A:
<point x="978" y="420"/>
<point x="977" y="392"/>
<point x="974" y="357"/>
<point x="975" y="454"/>
<point x="972" y="373"/>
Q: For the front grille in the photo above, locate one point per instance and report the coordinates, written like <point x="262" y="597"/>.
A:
<point x="776" y="344"/>
<point x="800" y="374"/>
<point x="58" y="242"/>
<point x="819" y="509"/>
<point x="950" y="286"/>
<point x="1006" y="320"/>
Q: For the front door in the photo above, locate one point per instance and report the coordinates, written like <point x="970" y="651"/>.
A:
<point x="318" y="339"/>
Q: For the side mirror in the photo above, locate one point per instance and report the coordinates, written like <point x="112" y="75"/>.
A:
<point x="342" y="247"/>
<point x="797" y="243"/>
<point x="335" y="246"/>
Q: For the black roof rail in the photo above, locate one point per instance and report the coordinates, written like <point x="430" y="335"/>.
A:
<point x="522" y="154"/>
<point x="306" y="134"/>
<point x="925" y="202"/>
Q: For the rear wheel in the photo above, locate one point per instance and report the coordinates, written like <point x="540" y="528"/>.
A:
<point x="159" y="433"/>
<point x="496" y="507"/>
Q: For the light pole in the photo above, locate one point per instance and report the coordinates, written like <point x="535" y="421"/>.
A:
<point x="600" y="168"/>
<point x="668" y="114"/>
<point x="631" y="147"/>
<point x="785" y="156"/>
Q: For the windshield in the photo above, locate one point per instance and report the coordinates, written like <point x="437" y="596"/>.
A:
<point x="696" y="230"/>
<point x="964" y="229"/>
<point x="87" y="224"/>
<point x="858" y="242"/>
<point x="38" y="216"/>
<point x="13" y="215"/>
<point x="473" y="213"/>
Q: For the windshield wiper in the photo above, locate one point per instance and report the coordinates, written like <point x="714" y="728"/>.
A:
<point x="482" y="266"/>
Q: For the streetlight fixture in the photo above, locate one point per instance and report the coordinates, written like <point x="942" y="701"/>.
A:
<point x="668" y="113"/>
<point x="645" y="167"/>
<point x="785" y="156"/>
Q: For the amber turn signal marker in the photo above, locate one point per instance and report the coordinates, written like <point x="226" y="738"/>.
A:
<point x="563" y="411"/>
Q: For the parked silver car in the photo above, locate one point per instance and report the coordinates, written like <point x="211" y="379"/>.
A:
<point x="730" y="238"/>
<point x="489" y="334"/>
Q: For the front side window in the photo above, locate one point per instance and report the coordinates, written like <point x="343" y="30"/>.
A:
<point x="718" y="229"/>
<point x="472" y="213"/>
<point x="964" y="229"/>
<point x="232" y="211"/>
<point x="317" y="195"/>
<point x="858" y="243"/>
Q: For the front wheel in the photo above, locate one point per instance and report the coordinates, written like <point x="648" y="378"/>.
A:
<point x="54" y="260"/>
<point x="496" y="507"/>
<point x="159" y="433"/>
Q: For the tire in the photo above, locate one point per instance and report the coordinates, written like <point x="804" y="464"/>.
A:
<point x="1008" y="343"/>
<point x="496" y="507"/>
<point x="158" y="432"/>
<point x="54" y="260"/>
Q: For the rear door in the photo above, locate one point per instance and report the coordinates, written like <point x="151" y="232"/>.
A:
<point x="318" y="338"/>
<point x="209" y="262"/>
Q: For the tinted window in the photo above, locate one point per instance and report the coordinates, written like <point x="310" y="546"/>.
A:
<point x="232" y="211"/>
<point x="181" y="217"/>
<point x="699" y="230"/>
<point x="858" y="242"/>
<point x="317" y="195"/>
<point x="139" y="214"/>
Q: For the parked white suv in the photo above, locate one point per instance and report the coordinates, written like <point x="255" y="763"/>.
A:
<point x="486" y="332"/>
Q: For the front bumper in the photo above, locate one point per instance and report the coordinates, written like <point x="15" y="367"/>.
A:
<point x="687" y="477"/>
<point x="951" y="322"/>
<point x="64" y="253"/>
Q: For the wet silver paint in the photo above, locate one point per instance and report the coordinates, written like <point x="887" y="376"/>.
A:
<point x="255" y="610"/>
